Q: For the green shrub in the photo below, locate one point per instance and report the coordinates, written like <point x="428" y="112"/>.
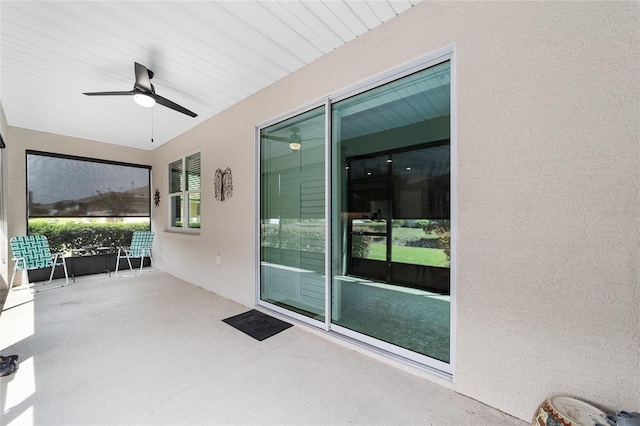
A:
<point x="65" y="237"/>
<point x="293" y="236"/>
<point x="442" y="228"/>
<point x="422" y="223"/>
<point x="361" y="244"/>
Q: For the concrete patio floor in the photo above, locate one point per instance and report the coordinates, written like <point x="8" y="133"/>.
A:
<point x="153" y="350"/>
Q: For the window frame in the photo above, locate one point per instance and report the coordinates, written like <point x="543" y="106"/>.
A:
<point x="185" y="192"/>
<point x="430" y="365"/>
<point x="28" y="207"/>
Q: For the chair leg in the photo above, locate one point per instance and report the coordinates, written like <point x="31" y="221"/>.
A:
<point x="17" y="268"/>
<point x="13" y="277"/>
<point x="66" y="274"/>
<point x="141" y="265"/>
<point x="117" y="263"/>
<point x="126" y="255"/>
<point x="120" y="256"/>
<point x="53" y="269"/>
<point x="58" y="260"/>
<point x="28" y="286"/>
<point x="152" y="265"/>
<point x="145" y="253"/>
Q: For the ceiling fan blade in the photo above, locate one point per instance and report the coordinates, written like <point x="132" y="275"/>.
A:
<point x="143" y="77"/>
<point x="276" y="138"/>
<point x="129" y="93"/>
<point x="143" y="86"/>
<point x="166" y="102"/>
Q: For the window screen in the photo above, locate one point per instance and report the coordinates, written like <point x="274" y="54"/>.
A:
<point x="65" y="186"/>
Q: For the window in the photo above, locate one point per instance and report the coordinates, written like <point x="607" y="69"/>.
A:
<point x="184" y="193"/>
<point x="63" y="186"/>
<point x="79" y="202"/>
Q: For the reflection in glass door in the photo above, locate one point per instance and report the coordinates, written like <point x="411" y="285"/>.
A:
<point x="385" y="280"/>
<point x="407" y="245"/>
<point x="391" y="231"/>
<point x="292" y="214"/>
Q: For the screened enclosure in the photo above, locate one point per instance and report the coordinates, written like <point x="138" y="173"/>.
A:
<point x="86" y="207"/>
<point x="66" y="186"/>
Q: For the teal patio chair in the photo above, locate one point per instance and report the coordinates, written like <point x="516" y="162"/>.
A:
<point x="32" y="252"/>
<point x="140" y="248"/>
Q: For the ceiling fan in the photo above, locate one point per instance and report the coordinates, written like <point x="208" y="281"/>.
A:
<point x="293" y="140"/>
<point x="144" y="93"/>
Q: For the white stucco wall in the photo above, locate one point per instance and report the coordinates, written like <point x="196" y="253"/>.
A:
<point x="5" y="254"/>
<point x="19" y="140"/>
<point x="548" y="191"/>
<point x="549" y="209"/>
<point x="548" y="249"/>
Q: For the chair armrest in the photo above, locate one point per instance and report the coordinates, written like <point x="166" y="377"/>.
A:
<point x="18" y="260"/>
<point x="59" y="253"/>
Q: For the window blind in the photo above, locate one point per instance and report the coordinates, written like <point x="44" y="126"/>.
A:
<point x="68" y="186"/>
<point x="193" y="172"/>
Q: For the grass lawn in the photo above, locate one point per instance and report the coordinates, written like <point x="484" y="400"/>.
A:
<point x="414" y="255"/>
<point x="402" y="233"/>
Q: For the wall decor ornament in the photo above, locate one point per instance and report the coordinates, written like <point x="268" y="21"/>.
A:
<point x="156" y="197"/>
<point x="223" y="184"/>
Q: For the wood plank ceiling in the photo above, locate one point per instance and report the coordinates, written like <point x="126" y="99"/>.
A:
<point x="206" y="56"/>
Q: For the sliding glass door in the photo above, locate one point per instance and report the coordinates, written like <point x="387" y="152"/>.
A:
<point x="381" y="158"/>
<point x="391" y="233"/>
<point x="292" y="214"/>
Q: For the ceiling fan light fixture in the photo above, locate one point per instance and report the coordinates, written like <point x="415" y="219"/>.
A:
<point x="144" y="100"/>
<point x="294" y="139"/>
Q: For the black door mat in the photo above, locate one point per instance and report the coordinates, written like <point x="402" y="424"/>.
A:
<point x="257" y="325"/>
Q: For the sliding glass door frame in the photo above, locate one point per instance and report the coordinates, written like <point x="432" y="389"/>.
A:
<point x="328" y="208"/>
<point x="324" y="325"/>
<point x="442" y="369"/>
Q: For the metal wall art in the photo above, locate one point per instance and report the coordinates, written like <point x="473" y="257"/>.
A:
<point x="156" y="197"/>
<point x="223" y="184"/>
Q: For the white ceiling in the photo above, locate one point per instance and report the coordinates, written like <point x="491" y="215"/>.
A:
<point x="206" y="56"/>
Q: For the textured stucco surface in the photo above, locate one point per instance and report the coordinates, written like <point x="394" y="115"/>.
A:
<point x="548" y="190"/>
<point x="4" y="241"/>
<point x="549" y="210"/>
<point x="548" y="237"/>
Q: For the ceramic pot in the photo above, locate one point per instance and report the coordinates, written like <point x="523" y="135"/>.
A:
<point x="566" y="411"/>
